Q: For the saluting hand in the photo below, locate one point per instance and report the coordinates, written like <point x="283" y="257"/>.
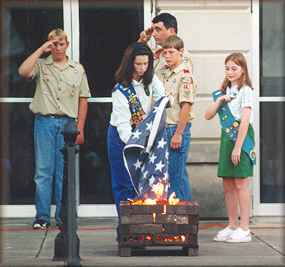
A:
<point x="48" y="46"/>
<point x="145" y="35"/>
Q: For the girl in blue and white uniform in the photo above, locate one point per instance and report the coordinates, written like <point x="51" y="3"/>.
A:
<point x="136" y="90"/>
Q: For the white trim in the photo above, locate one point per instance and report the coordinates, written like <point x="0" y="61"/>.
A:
<point x="99" y="210"/>
<point x="19" y="211"/>
<point x="28" y="211"/>
<point x="270" y="209"/>
<point x="256" y="81"/>
<point x="149" y="13"/>
<point x="15" y="100"/>
<point x="71" y="27"/>
<point x="28" y="100"/>
<point x="75" y="38"/>
<point x="67" y="24"/>
<point x="100" y="100"/>
<point x="272" y="99"/>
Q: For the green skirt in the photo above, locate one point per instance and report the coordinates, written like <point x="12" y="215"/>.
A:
<point x="226" y="168"/>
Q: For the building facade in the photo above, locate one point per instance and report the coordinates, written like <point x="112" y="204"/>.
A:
<point x="99" y="31"/>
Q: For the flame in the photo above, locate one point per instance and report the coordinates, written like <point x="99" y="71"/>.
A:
<point x="159" y="189"/>
<point x="172" y="199"/>
<point x="164" y="209"/>
<point x="154" y="217"/>
<point x="176" y="238"/>
<point x="148" y="237"/>
<point x="149" y="201"/>
<point x="158" y="237"/>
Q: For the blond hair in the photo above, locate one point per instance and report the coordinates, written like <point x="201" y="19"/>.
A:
<point x="240" y="60"/>
<point x="173" y="42"/>
<point x="57" y="32"/>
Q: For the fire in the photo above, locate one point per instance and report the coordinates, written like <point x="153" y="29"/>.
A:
<point x="154" y="217"/>
<point x="159" y="190"/>
<point x="149" y="201"/>
<point x="176" y="238"/>
<point x="165" y="239"/>
<point x="172" y="199"/>
<point x="164" y="209"/>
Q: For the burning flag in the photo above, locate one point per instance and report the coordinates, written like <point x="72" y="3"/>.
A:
<point x="146" y="155"/>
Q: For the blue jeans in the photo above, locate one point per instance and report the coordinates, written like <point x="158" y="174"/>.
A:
<point x="49" y="164"/>
<point x="121" y="182"/>
<point x="179" y="180"/>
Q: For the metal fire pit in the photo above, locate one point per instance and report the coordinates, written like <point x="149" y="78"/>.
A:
<point x="159" y="225"/>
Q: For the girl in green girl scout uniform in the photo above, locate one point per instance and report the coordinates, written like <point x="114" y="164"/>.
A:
<point x="234" y="104"/>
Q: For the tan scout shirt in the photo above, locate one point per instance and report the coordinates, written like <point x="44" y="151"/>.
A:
<point x="179" y="84"/>
<point x="58" y="89"/>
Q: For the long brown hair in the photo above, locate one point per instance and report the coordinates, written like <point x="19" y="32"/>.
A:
<point x="124" y="73"/>
<point x="239" y="59"/>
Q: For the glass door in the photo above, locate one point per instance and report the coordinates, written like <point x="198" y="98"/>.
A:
<point x="106" y="28"/>
<point x="24" y="27"/>
<point x="270" y="196"/>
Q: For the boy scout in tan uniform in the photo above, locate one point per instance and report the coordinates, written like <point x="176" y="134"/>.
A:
<point x="178" y="83"/>
<point x="60" y="97"/>
<point x="58" y="90"/>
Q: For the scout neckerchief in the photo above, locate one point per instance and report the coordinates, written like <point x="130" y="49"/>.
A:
<point x="230" y="126"/>
<point x="137" y="112"/>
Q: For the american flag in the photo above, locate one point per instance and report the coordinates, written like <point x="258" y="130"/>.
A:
<point x="146" y="155"/>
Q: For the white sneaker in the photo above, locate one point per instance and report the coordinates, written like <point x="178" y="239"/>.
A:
<point x="224" y="234"/>
<point x="239" y="236"/>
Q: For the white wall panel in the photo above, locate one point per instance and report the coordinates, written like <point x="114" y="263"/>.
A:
<point x="206" y="30"/>
<point x="202" y="128"/>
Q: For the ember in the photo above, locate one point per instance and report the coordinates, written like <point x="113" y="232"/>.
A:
<point x="168" y="223"/>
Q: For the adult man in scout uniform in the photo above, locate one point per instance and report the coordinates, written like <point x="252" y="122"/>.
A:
<point x="163" y="26"/>
<point x="178" y="84"/>
<point x="60" y="96"/>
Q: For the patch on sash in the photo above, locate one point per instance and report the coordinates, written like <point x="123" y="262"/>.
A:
<point x="252" y="154"/>
<point x="187" y="79"/>
<point x="187" y="86"/>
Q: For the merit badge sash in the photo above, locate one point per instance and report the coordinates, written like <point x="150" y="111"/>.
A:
<point x="230" y="126"/>
<point x="137" y="112"/>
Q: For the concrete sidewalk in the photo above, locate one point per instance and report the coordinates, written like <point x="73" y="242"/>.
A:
<point x="98" y="247"/>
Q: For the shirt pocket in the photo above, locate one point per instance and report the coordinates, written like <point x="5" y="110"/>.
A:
<point x="71" y="85"/>
<point x="48" y="83"/>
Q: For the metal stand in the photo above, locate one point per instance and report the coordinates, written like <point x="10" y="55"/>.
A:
<point x="67" y="242"/>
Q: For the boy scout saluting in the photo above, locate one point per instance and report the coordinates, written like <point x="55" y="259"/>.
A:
<point x="178" y="84"/>
<point x="61" y="95"/>
<point x="163" y="26"/>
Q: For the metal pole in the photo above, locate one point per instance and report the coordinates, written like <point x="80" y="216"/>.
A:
<point x="67" y="242"/>
<point x="72" y="240"/>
